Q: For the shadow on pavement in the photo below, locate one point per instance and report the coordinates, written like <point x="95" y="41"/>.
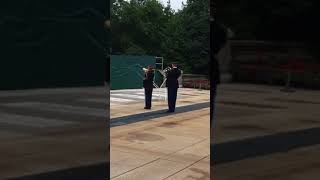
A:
<point x="92" y="172"/>
<point x="265" y="145"/>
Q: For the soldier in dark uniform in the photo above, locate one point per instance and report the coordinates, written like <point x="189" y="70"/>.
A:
<point x="172" y="84"/>
<point x="218" y="39"/>
<point x="148" y="86"/>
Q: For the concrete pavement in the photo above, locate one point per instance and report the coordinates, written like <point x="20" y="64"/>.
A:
<point x="261" y="133"/>
<point x="264" y="133"/>
<point x="160" y="145"/>
<point x="53" y="130"/>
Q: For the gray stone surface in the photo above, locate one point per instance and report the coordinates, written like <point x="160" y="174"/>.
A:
<point x="44" y="130"/>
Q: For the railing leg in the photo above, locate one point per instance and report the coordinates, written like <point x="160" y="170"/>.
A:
<point x="287" y="87"/>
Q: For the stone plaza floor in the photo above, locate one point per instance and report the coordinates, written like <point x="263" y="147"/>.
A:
<point x="152" y="144"/>
<point x="48" y="130"/>
<point x="260" y="133"/>
<point x="264" y="133"/>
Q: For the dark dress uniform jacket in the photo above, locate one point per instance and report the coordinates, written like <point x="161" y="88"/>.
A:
<point x="172" y="78"/>
<point x="148" y="81"/>
<point x="218" y="39"/>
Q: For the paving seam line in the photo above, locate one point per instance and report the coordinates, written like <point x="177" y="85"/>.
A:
<point x="187" y="167"/>
<point x="135" y="168"/>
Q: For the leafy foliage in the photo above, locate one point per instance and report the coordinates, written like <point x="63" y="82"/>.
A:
<point x="147" y="27"/>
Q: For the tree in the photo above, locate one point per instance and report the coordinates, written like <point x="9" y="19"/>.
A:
<point x="196" y="25"/>
<point x="143" y="27"/>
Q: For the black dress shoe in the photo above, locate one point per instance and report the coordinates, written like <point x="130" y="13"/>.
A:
<point x="147" y="107"/>
<point x="170" y="111"/>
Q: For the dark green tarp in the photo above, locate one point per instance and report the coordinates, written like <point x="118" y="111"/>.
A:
<point x="126" y="71"/>
<point x="53" y="43"/>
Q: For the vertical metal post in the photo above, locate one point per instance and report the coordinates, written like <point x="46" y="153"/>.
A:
<point x="288" y="80"/>
<point x="287" y="87"/>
